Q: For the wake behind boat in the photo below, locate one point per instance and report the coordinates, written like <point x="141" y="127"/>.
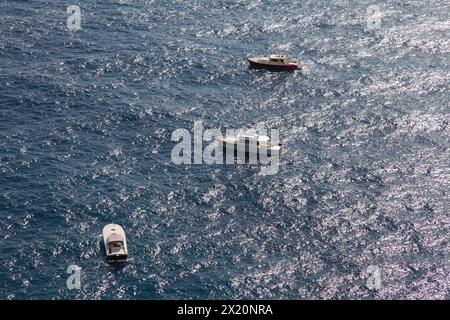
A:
<point x="274" y="62"/>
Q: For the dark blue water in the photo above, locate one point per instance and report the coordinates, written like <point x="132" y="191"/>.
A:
<point x="85" y="139"/>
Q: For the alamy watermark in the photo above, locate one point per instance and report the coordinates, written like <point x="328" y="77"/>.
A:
<point x="252" y="146"/>
<point x="374" y="280"/>
<point x="74" y="19"/>
<point x="373" y="17"/>
<point x="74" y="280"/>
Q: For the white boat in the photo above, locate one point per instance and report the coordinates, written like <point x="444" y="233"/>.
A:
<point x="275" y="62"/>
<point x="115" y="243"/>
<point x="251" y="143"/>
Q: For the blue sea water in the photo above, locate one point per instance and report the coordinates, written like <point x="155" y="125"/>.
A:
<point x="86" y="120"/>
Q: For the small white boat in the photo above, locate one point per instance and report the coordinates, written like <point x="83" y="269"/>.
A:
<point x="251" y="143"/>
<point x="275" y="61"/>
<point x="115" y="243"/>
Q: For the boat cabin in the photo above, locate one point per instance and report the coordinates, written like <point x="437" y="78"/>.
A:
<point x="115" y="244"/>
<point x="277" y="58"/>
<point x="247" y="138"/>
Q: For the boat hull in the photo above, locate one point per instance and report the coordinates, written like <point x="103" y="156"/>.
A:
<point x="270" y="66"/>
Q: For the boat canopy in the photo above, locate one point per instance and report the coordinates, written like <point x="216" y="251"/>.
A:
<point x="115" y="238"/>
<point x="277" y="56"/>
<point x="254" y="137"/>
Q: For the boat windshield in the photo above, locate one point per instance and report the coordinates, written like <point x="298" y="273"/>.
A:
<point x="248" y="138"/>
<point x="118" y="244"/>
<point x="115" y="246"/>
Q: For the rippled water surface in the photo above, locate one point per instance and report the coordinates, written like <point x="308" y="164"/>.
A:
<point x="85" y="139"/>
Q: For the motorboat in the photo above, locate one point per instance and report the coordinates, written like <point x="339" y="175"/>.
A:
<point x="115" y="243"/>
<point x="275" y="62"/>
<point x="251" y="143"/>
